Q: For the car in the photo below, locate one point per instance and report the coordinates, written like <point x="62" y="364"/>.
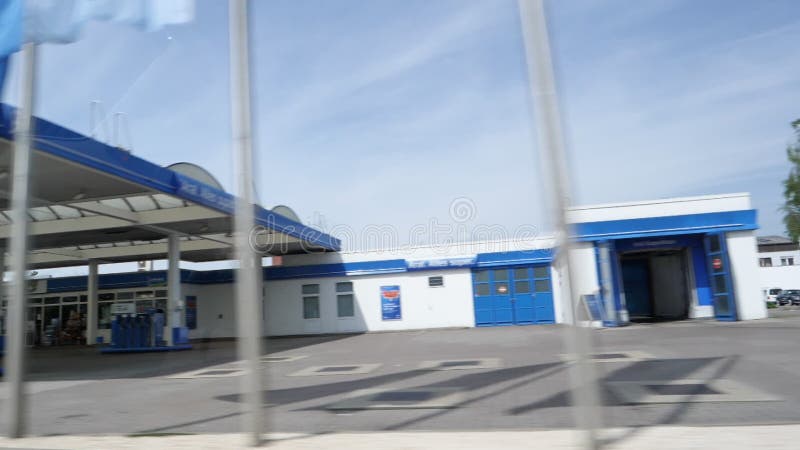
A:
<point x="789" y="297"/>
<point x="771" y="296"/>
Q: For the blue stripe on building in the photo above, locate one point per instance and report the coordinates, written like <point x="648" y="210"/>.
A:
<point x="667" y="225"/>
<point x="344" y="269"/>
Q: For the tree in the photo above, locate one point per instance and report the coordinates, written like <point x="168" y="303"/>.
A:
<point x="791" y="187"/>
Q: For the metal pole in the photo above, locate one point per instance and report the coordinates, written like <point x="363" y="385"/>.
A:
<point x="91" y="303"/>
<point x="551" y="140"/>
<point x="18" y="248"/>
<point x="248" y="295"/>
<point x="174" y="301"/>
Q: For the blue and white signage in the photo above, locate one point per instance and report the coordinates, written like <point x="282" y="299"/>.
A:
<point x="441" y="263"/>
<point x="203" y="194"/>
<point x="390" y="303"/>
<point x="593" y="306"/>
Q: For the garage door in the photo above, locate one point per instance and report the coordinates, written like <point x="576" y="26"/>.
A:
<point x="513" y="296"/>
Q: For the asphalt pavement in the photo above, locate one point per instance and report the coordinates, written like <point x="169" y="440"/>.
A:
<point x="690" y="374"/>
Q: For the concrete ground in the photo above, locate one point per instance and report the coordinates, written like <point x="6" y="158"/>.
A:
<point x="76" y="391"/>
<point x="774" y="437"/>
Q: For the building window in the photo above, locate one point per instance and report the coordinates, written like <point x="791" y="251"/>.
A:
<point x="310" y="301"/>
<point x="436" y="281"/>
<point x="765" y="262"/>
<point x="345" y="301"/>
<point x="787" y="260"/>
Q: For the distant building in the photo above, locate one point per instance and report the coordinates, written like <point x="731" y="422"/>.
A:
<point x="779" y="263"/>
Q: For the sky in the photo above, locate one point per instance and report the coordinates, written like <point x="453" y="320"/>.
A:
<point x="416" y="114"/>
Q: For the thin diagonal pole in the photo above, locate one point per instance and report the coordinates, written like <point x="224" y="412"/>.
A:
<point x="553" y="155"/>
<point x="248" y="292"/>
<point x="18" y="248"/>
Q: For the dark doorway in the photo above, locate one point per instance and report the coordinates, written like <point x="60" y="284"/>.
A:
<point x="655" y="285"/>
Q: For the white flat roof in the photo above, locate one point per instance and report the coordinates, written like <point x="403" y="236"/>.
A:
<point x="661" y="201"/>
<point x="660" y="208"/>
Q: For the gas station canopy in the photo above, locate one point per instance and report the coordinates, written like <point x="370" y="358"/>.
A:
<point x="92" y="201"/>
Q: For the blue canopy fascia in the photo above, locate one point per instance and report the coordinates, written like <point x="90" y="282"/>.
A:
<point x="76" y="148"/>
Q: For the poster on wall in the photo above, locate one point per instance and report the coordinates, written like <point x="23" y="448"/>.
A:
<point x="191" y="312"/>
<point x="390" y="303"/>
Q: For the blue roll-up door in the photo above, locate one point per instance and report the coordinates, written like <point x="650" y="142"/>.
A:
<point x="513" y="296"/>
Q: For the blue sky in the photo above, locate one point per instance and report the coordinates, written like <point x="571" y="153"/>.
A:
<point x="384" y="112"/>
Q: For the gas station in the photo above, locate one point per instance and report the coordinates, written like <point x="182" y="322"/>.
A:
<point x="93" y="204"/>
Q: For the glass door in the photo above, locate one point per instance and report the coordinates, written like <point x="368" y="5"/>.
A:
<point x="524" y="312"/>
<point x="721" y="279"/>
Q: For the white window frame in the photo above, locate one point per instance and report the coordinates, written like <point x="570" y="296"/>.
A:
<point x="787" y="260"/>
<point x="339" y="293"/>
<point x="305" y="296"/>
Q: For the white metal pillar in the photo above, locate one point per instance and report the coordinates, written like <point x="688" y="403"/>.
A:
<point x="248" y="293"/>
<point x="174" y="302"/>
<point x="91" y="303"/>
<point x="18" y="249"/>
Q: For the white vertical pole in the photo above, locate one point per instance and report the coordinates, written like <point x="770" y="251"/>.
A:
<point x="174" y="303"/>
<point x="248" y="297"/>
<point x="551" y="140"/>
<point x="18" y="249"/>
<point x="91" y="303"/>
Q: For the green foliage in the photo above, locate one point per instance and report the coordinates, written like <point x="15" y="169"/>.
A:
<point x="791" y="188"/>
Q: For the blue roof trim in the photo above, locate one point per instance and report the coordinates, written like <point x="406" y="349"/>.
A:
<point x="514" y="258"/>
<point x="336" y="269"/>
<point x="667" y="226"/>
<point x="156" y="278"/>
<point x="221" y="276"/>
<point x="77" y="148"/>
<point x="112" y="281"/>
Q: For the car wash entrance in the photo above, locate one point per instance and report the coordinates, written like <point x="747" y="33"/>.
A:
<point x="655" y="284"/>
<point x="664" y="278"/>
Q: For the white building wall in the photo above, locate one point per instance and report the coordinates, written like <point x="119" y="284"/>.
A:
<point x="421" y="306"/>
<point x="744" y="261"/>
<point x="783" y="277"/>
<point x="583" y="258"/>
<point x="778" y="276"/>
<point x="216" y="310"/>
<point x="561" y="311"/>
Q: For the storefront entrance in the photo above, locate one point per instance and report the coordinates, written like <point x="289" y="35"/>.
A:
<point x="56" y="320"/>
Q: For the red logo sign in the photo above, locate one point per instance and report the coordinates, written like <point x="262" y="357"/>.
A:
<point x="391" y="294"/>
<point x="716" y="263"/>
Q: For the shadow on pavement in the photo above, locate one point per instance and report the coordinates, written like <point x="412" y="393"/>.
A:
<point x="659" y="369"/>
<point x="467" y="382"/>
<point x="679" y="409"/>
<point x="86" y="363"/>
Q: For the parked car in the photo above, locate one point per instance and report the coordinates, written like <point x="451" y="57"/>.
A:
<point x="789" y="297"/>
<point x="772" y="295"/>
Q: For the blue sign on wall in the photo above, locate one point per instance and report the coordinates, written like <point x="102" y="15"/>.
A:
<point x="390" y="303"/>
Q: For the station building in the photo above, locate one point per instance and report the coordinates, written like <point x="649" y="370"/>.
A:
<point x="668" y="259"/>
